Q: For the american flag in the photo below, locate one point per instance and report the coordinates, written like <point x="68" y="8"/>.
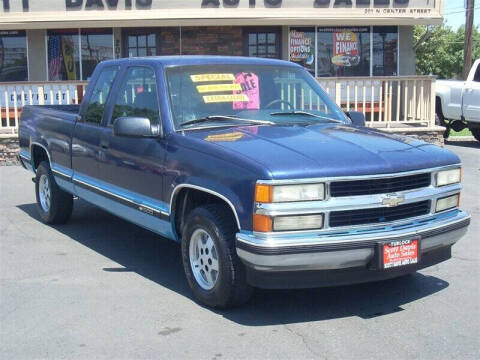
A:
<point x="55" y="58"/>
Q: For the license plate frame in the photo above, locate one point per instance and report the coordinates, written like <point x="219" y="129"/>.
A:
<point x="399" y="254"/>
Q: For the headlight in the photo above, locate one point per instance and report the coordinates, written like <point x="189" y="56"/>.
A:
<point x="448" y="177"/>
<point x="289" y="193"/>
<point x="447" y="203"/>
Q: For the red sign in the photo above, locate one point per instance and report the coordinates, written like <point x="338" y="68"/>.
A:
<point x="400" y="253"/>
<point x="345" y="48"/>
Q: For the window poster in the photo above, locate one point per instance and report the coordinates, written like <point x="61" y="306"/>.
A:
<point x="345" y="48"/>
<point x="302" y="47"/>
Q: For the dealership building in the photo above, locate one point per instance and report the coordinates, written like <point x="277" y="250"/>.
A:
<point x="55" y="40"/>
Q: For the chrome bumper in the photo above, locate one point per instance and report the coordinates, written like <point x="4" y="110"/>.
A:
<point x="331" y="251"/>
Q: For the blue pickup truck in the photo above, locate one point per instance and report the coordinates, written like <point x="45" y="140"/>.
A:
<point x="251" y="167"/>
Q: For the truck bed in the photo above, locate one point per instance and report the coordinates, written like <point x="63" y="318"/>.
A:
<point x="66" y="108"/>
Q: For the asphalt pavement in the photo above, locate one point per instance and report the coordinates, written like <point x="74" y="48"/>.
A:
<point x="102" y="288"/>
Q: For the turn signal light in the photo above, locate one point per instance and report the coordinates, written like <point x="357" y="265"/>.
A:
<point x="263" y="193"/>
<point x="262" y="223"/>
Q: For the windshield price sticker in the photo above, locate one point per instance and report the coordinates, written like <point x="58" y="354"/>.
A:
<point x="218" y="88"/>
<point x="212" y="77"/>
<point x="400" y="253"/>
<point x="225" y="98"/>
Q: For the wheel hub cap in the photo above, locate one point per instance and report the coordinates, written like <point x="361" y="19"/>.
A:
<point x="203" y="259"/>
<point x="44" y="192"/>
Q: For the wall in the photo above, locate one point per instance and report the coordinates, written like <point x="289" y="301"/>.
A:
<point x="37" y="55"/>
<point x="406" y="53"/>
<point x="212" y="40"/>
<point x="169" y="41"/>
<point x="8" y="151"/>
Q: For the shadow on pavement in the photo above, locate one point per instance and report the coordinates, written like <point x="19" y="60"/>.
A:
<point x="158" y="259"/>
<point x="467" y="144"/>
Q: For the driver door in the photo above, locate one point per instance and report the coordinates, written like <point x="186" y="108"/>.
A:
<point x="134" y="166"/>
<point x="471" y="96"/>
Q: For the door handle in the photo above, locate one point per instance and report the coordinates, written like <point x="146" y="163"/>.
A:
<point x="104" y="144"/>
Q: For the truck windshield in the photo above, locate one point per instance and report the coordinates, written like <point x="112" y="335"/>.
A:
<point x="220" y="95"/>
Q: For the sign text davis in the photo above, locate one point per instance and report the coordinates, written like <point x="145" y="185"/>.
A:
<point x="12" y="5"/>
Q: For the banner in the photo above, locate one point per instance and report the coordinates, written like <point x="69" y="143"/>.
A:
<point x="345" y="48"/>
<point x="52" y="95"/>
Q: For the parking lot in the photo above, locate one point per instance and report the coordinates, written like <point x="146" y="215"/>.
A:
<point x="100" y="287"/>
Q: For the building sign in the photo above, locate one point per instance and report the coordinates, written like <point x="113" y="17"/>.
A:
<point x="112" y="5"/>
<point x="345" y="48"/>
<point x="27" y="14"/>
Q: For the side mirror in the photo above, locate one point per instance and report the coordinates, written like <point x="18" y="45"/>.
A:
<point x="358" y="119"/>
<point x="135" y="127"/>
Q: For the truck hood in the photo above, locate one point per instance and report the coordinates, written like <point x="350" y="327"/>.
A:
<point x="325" y="150"/>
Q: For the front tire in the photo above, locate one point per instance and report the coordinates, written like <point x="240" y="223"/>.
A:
<point x="214" y="272"/>
<point x="54" y="205"/>
<point x="476" y="133"/>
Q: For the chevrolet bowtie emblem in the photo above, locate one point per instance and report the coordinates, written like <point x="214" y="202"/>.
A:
<point x="392" y="200"/>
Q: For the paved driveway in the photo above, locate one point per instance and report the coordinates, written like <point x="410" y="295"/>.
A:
<point x="100" y="287"/>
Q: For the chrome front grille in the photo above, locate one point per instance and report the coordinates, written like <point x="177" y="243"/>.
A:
<point x="379" y="186"/>
<point x="379" y="215"/>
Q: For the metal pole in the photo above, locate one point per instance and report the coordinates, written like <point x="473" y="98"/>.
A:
<point x="467" y="60"/>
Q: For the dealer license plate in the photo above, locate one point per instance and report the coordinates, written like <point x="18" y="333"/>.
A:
<point x="400" y="253"/>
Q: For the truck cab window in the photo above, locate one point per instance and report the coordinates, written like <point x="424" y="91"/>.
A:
<point x="476" y="78"/>
<point x="94" y="113"/>
<point x="137" y="95"/>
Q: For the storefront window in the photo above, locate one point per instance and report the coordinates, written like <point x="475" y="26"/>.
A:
<point x="385" y="50"/>
<point x="97" y="45"/>
<point x="143" y="44"/>
<point x="63" y="55"/>
<point x="302" y="47"/>
<point x="13" y="56"/>
<point x="343" y="51"/>
<point x="67" y="62"/>
<point x="263" y="42"/>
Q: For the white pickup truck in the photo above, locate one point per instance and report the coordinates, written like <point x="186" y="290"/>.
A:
<point x="458" y="103"/>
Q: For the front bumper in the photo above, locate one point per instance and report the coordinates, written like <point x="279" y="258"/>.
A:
<point x="355" y="250"/>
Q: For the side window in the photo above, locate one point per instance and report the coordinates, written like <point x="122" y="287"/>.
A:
<point x="99" y="96"/>
<point x="476" y="78"/>
<point x="137" y="95"/>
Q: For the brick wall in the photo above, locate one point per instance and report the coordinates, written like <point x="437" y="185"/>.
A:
<point x="212" y="40"/>
<point x="169" y="41"/>
<point x="8" y="151"/>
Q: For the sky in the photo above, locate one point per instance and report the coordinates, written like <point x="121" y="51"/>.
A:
<point x="455" y="13"/>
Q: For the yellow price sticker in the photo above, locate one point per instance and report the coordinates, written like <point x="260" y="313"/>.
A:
<point x="228" y="137"/>
<point x="211" y="77"/>
<point x="225" y="98"/>
<point x="218" y="88"/>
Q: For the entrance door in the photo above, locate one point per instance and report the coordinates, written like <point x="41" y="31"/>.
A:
<point x="140" y="42"/>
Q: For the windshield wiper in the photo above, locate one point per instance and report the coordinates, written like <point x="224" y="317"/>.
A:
<point x="224" y="117"/>
<point x="305" y="113"/>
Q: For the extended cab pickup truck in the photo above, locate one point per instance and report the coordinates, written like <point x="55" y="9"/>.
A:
<point x="248" y="164"/>
<point x="458" y="103"/>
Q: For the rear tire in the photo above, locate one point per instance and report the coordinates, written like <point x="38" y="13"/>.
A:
<point x="440" y="121"/>
<point x="213" y="269"/>
<point x="54" y="205"/>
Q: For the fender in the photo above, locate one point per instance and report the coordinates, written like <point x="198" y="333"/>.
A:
<point x="214" y="189"/>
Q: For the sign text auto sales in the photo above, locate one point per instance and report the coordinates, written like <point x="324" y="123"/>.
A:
<point x="146" y="4"/>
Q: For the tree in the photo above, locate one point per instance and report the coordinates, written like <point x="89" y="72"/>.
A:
<point x="441" y="53"/>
